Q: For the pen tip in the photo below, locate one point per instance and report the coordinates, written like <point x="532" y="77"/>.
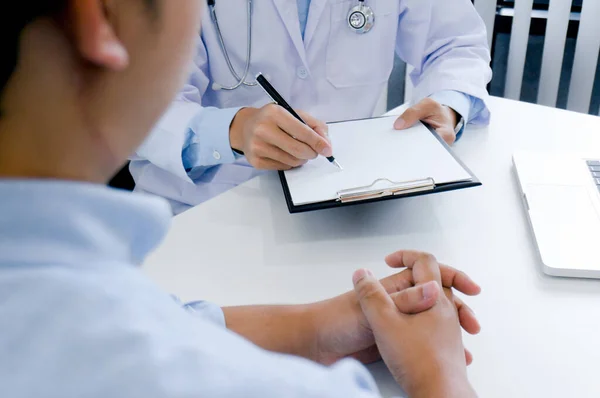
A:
<point x="339" y="166"/>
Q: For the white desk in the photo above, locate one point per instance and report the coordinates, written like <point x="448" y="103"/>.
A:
<point x="541" y="335"/>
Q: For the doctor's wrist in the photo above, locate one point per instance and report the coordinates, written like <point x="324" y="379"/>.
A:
<point x="236" y="129"/>
<point x="454" y="116"/>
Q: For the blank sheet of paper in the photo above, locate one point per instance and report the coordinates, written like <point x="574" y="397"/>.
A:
<point x="369" y="150"/>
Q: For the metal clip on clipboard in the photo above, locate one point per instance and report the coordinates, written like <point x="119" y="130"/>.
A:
<point x="392" y="188"/>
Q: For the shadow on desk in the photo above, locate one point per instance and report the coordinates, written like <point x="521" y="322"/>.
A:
<point x="369" y="220"/>
<point x="393" y="224"/>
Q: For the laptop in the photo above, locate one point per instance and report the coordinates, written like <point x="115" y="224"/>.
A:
<point x="561" y="194"/>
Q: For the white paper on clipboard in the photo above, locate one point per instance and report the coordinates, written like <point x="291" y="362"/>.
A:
<point x="371" y="151"/>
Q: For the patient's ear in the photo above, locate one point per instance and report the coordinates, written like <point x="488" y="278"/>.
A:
<point x="94" y="36"/>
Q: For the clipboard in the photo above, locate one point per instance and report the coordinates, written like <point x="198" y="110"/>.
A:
<point x="381" y="186"/>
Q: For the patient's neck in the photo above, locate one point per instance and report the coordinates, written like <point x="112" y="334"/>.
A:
<point x="31" y="151"/>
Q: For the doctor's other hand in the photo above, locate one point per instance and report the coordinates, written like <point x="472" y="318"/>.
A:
<point x="441" y="117"/>
<point x="424" y="352"/>
<point x="272" y="139"/>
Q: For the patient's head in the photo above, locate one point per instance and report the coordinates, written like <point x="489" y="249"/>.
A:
<point x="83" y="81"/>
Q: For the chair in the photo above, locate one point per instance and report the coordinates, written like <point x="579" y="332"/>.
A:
<point x="586" y="52"/>
<point x="558" y="16"/>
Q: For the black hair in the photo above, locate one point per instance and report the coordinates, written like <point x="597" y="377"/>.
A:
<point x="15" y="19"/>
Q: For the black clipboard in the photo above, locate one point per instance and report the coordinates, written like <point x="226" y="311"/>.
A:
<point x="397" y="190"/>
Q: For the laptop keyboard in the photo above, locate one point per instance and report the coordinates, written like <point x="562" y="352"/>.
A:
<point x="594" y="166"/>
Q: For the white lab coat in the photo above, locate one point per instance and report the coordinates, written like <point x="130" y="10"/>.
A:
<point x="334" y="73"/>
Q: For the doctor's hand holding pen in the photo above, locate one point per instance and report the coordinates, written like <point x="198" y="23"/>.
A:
<point x="272" y="139"/>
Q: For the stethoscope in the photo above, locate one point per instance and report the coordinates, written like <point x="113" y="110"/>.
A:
<point x="360" y="20"/>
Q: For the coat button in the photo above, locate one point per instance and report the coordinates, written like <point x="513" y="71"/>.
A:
<point x="302" y="72"/>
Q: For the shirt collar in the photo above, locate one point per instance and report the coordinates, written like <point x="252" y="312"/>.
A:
<point x="77" y="223"/>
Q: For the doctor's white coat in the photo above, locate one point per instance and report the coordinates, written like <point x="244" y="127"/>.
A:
<point x="333" y="73"/>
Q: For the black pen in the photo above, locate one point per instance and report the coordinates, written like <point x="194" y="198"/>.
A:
<point x="278" y="99"/>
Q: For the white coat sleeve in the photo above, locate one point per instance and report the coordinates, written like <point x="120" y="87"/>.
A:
<point x="188" y="136"/>
<point x="446" y="44"/>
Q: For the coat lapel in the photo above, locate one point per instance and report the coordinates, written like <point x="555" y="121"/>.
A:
<point x="314" y="15"/>
<point x="288" y="11"/>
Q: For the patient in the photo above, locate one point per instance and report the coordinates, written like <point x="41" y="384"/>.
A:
<point x="82" y="83"/>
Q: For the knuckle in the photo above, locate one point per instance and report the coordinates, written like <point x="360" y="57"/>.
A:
<point x="262" y="116"/>
<point x="368" y="291"/>
<point x="408" y="301"/>
<point x="260" y="131"/>
<point x="403" y="296"/>
<point x="261" y="164"/>
<point x="266" y="121"/>
<point x="429" y="102"/>
<point x="298" y="150"/>
<point x="447" y="269"/>
<point x="255" y="148"/>
<point x="259" y="149"/>
<point x="271" y="110"/>
<point x="412" y="115"/>
<point x="427" y="258"/>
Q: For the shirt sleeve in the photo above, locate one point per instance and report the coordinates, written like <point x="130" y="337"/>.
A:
<point x="190" y="353"/>
<point x="349" y="373"/>
<point x="207" y="142"/>
<point x="128" y="339"/>
<point x="208" y="311"/>
<point x="460" y="102"/>
<point x="206" y="359"/>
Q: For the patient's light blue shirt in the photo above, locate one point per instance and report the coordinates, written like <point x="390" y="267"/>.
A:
<point x="78" y="319"/>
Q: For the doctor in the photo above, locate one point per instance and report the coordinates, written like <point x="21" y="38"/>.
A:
<point x="330" y="58"/>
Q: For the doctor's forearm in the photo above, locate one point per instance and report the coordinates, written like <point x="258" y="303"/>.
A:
<point x="286" y="329"/>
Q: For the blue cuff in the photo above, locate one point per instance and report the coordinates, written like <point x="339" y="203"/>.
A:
<point x="207" y="142"/>
<point x="466" y="106"/>
<point x="207" y="311"/>
<point x="456" y="100"/>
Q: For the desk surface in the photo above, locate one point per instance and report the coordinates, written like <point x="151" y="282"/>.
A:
<point x="541" y="335"/>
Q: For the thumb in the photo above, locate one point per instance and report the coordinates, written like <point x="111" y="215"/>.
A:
<point x="417" y="298"/>
<point x="408" y="118"/>
<point x="417" y="112"/>
<point x="374" y="301"/>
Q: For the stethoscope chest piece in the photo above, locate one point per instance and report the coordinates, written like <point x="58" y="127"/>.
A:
<point x="361" y="18"/>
